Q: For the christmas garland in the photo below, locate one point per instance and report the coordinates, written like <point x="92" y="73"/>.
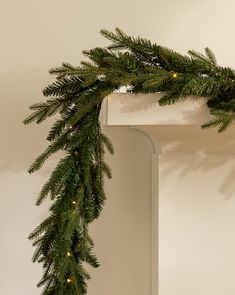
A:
<point x="76" y="185"/>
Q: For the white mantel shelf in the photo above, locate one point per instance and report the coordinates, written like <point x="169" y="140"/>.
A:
<point x="192" y="192"/>
<point x="143" y="109"/>
<point x="173" y="128"/>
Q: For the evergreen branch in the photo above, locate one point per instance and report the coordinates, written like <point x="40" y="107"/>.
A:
<point x="57" y="145"/>
<point x="65" y="70"/>
<point x="59" y="176"/>
<point x="41" y="228"/>
<point x="106" y="169"/>
<point x="57" y="129"/>
<point x="107" y="142"/>
<point x="210" y="56"/>
<point x="76" y="185"/>
<point x="44" y="110"/>
<point x="221" y="119"/>
<point x="200" y="56"/>
<point x="66" y="85"/>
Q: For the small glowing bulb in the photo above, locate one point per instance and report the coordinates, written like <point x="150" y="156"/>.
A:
<point x="73" y="202"/>
<point x="69" y="280"/>
<point x="69" y="254"/>
<point x="175" y="75"/>
<point x="70" y="127"/>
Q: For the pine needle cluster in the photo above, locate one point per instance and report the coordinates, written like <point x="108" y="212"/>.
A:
<point x="76" y="186"/>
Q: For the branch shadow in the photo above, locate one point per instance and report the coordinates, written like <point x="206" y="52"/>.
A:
<point x="203" y="162"/>
<point x="138" y="102"/>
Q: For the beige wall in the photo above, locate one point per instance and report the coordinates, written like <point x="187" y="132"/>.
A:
<point x="36" y="35"/>
<point x="196" y="224"/>
<point x="196" y="209"/>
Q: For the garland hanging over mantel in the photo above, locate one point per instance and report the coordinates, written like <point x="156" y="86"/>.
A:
<point x="76" y="185"/>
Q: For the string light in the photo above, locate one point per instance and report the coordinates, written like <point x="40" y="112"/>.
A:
<point x="70" y="127"/>
<point x="74" y="202"/>
<point x="69" y="254"/>
<point x="69" y="280"/>
<point x="175" y="75"/>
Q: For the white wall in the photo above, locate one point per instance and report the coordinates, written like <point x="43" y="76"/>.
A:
<point x="196" y="224"/>
<point x="196" y="210"/>
<point x="36" y="35"/>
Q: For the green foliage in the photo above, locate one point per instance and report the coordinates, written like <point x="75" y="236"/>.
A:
<point x="76" y="186"/>
<point x="221" y="119"/>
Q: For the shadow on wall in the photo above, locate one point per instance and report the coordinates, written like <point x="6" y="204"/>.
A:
<point x="184" y="165"/>
<point x="188" y="149"/>
<point x="20" y="144"/>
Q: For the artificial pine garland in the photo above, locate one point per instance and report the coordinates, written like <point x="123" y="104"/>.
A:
<point x="76" y="185"/>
